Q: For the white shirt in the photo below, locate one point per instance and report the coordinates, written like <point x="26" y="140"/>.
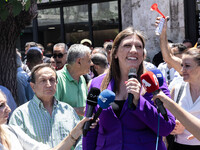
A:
<point x="167" y="72"/>
<point x="176" y="81"/>
<point x="193" y="108"/>
<point x="149" y="66"/>
<point x="20" y="141"/>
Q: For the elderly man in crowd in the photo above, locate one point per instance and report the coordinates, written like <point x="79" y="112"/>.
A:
<point x="44" y="118"/>
<point x="72" y="87"/>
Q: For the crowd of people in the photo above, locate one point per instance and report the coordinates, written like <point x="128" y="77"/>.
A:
<point x="53" y="84"/>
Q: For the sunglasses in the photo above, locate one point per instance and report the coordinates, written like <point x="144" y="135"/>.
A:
<point x="60" y="55"/>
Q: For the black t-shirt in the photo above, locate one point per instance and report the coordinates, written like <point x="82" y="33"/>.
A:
<point x="117" y="106"/>
<point x="157" y="59"/>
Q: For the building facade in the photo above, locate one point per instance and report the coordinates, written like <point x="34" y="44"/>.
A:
<point x="70" y="21"/>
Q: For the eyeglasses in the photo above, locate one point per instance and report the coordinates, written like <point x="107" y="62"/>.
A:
<point x="60" y="55"/>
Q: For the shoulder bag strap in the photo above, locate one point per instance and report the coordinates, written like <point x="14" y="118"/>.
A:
<point x="180" y="92"/>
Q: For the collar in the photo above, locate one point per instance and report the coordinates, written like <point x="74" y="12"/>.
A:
<point x="39" y="103"/>
<point x="66" y="72"/>
<point x="59" y="68"/>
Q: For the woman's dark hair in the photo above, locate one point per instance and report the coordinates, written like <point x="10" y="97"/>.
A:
<point x="114" y="70"/>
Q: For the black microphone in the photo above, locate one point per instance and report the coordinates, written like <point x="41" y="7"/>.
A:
<point x="132" y="74"/>
<point x="160" y="106"/>
<point x="91" y="103"/>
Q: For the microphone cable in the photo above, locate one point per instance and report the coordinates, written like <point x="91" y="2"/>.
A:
<point x="158" y="131"/>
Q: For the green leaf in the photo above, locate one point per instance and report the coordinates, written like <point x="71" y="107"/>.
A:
<point x="17" y="7"/>
<point x="27" y="5"/>
<point x="4" y="14"/>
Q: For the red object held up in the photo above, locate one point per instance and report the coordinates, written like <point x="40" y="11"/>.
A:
<point x="155" y="7"/>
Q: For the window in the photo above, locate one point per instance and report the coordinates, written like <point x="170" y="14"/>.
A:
<point x="105" y="21"/>
<point x="76" y="23"/>
<point x="49" y="26"/>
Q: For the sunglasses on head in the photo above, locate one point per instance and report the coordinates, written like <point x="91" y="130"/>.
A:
<point x="60" y="55"/>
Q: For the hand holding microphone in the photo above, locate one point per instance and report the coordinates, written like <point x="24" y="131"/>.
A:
<point x="132" y="74"/>
<point x="151" y="84"/>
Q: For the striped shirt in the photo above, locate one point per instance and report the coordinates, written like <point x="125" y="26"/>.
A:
<point x="36" y="121"/>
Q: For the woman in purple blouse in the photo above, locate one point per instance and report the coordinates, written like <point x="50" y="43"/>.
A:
<point x="121" y="128"/>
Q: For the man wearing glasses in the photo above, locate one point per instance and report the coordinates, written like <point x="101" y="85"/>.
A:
<point x="60" y="55"/>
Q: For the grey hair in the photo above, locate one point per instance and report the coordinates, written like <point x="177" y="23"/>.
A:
<point x="62" y="45"/>
<point x="31" y="44"/>
<point x="77" y="51"/>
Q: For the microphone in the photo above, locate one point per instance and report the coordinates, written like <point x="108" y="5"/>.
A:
<point x="159" y="76"/>
<point x="91" y="103"/>
<point x="151" y="84"/>
<point x="105" y="98"/>
<point x="132" y="74"/>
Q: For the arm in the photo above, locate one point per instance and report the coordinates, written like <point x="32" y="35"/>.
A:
<point x="170" y="59"/>
<point x="191" y="123"/>
<point x="66" y="144"/>
<point x="172" y="93"/>
<point x="71" y="139"/>
<point x="80" y="110"/>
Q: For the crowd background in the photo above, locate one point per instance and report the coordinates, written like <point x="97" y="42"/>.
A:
<point x="67" y="72"/>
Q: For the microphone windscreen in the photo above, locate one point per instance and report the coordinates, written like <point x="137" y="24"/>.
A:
<point x="159" y="76"/>
<point x="105" y="98"/>
<point x="92" y="96"/>
<point x="132" y="73"/>
<point x="149" y="81"/>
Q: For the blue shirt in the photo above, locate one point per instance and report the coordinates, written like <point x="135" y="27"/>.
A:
<point x="24" y="90"/>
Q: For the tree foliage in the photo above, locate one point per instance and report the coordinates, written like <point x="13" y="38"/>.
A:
<point x="15" y="15"/>
<point x="14" y="7"/>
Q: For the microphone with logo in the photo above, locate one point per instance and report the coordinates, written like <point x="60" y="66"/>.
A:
<point x="105" y="98"/>
<point x="151" y="84"/>
<point x="132" y="74"/>
<point x="91" y="103"/>
<point x="159" y="76"/>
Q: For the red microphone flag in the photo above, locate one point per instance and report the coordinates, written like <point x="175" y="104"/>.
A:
<point x="149" y="81"/>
